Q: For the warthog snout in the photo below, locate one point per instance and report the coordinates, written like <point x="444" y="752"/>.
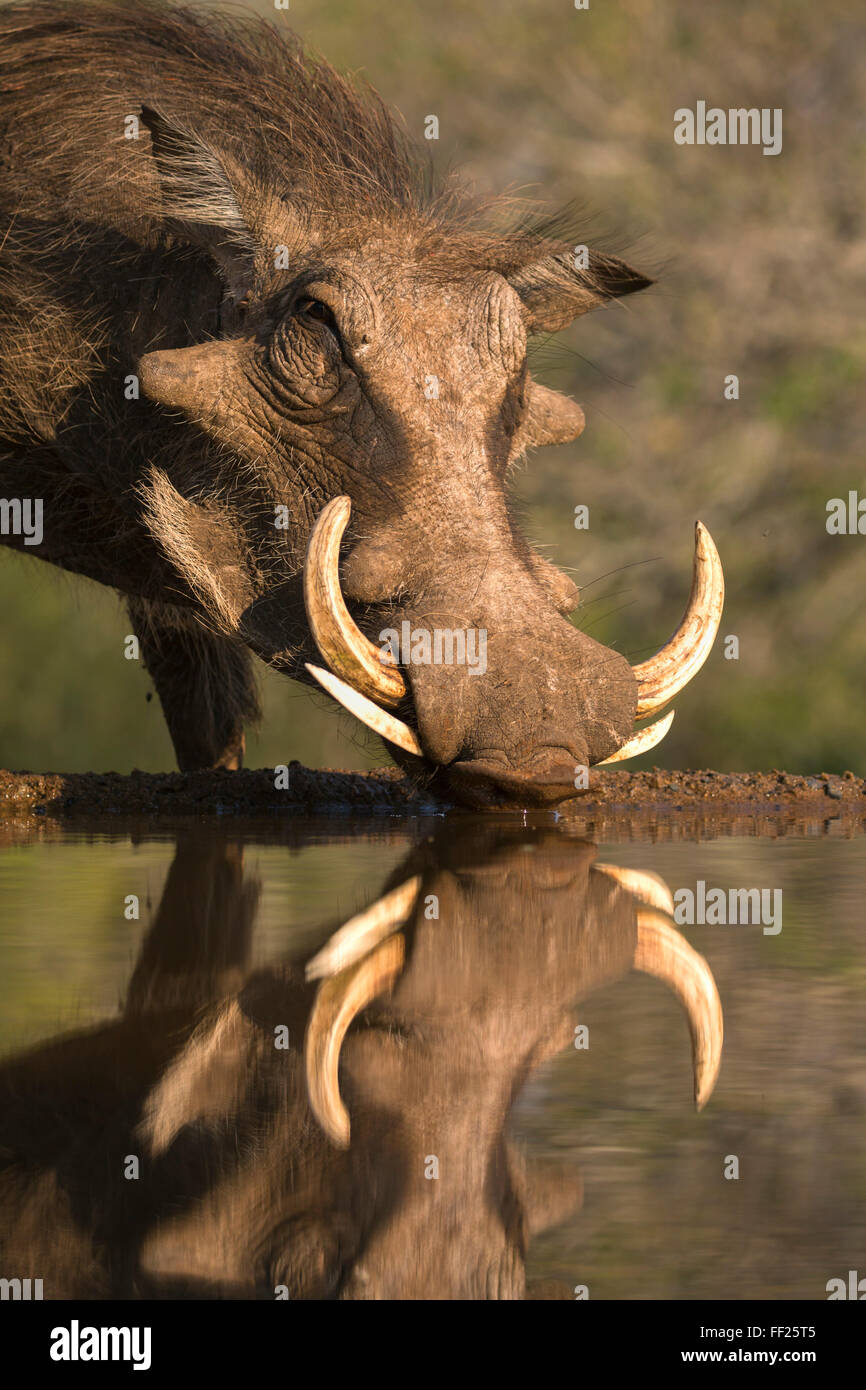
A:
<point x="503" y="696"/>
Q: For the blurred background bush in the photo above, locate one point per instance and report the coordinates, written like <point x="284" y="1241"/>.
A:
<point x="762" y="267"/>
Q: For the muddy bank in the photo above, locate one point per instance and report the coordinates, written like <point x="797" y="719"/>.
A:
<point x="693" y="802"/>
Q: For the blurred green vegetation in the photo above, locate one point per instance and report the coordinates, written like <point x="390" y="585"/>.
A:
<point x="71" y="702"/>
<point x="762" y="272"/>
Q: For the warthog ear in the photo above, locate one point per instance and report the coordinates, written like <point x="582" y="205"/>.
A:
<point x="557" y="289"/>
<point x="201" y="193"/>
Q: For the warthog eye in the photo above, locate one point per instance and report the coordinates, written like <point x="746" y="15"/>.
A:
<point x="317" y="312"/>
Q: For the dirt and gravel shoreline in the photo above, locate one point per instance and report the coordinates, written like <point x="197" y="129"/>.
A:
<point x="669" y="803"/>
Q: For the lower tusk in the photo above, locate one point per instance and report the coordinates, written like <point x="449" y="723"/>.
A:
<point x="648" y="888"/>
<point x="394" y="730"/>
<point x="338" y="1002"/>
<point x="362" y="933"/>
<point x="664" y="675"/>
<point x="663" y="952"/>
<point x="641" y="742"/>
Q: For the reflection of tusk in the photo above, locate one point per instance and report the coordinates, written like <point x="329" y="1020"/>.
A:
<point x="649" y="889"/>
<point x="342" y="643"/>
<point x="663" y="952"/>
<point x="338" y="1002"/>
<point x="360" y="934"/>
<point x="375" y="718"/>
<point x="663" y="675"/>
<point x="641" y="742"/>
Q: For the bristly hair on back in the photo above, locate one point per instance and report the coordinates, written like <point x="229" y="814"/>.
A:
<point x="232" y="76"/>
<point x="297" y="127"/>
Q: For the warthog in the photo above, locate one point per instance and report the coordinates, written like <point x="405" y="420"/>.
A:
<point x="334" y="1126"/>
<point x="234" y="310"/>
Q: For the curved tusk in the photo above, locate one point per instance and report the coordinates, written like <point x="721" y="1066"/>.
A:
<point x="664" y="953"/>
<point x="342" y="643"/>
<point x="649" y="889"/>
<point x="338" y="1002"/>
<point x="361" y="933"/>
<point x="642" y="742"/>
<point x="662" y="676"/>
<point x="375" y="718"/>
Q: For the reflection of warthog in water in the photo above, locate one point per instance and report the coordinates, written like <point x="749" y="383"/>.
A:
<point x="252" y="1177"/>
<point x="202" y="212"/>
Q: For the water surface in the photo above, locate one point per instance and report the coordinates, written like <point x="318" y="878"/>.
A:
<point x="565" y="1166"/>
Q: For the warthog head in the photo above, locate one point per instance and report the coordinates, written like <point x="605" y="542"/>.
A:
<point x="370" y="371"/>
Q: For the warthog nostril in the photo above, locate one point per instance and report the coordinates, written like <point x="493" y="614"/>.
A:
<point x="476" y="782"/>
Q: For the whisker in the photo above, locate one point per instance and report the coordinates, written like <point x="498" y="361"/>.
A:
<point x="618" y="570"/>
<point x="602" y="616"/>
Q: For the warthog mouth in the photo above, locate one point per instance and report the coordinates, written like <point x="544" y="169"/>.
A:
<point x="364" y="960"/>
<point x="367" y="681"/>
